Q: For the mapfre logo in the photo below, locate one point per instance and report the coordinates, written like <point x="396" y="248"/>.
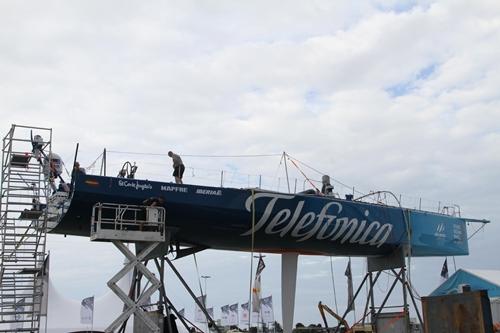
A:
<point x="440" y="231"/>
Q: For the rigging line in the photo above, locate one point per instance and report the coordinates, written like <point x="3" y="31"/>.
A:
<point x="407" y="224"/>
<point x="251" y="262"/>
<point x="92" y="165"/>
<point x="193" y="155"/>
<point x="303" y="174"/>
<point x="236" y="156"/>
<point x="412" y="287"/>
<point x="475" y="232"/>
<point x="333" y="284"/>
<point x="286" y="172"/>
<point x="409" y="283"/>
<point x="306" y="165"/>
<point x="199" y="281"/>
<point x="322" y="173"/>
<point x="278" y="167"/>
<point x="65" y="169"/>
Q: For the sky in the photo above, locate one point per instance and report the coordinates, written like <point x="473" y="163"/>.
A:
<point x="381" y="95"/>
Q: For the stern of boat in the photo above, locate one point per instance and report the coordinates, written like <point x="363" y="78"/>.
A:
<point x="56" y="207"/>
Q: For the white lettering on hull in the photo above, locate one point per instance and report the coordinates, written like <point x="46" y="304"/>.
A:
<point x="135" y="184"/>
<point x="327" y="224"/>
<point x="209" y="192"/>
<point x="167" y="188"/>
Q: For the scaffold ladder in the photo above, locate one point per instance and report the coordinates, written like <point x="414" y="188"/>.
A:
<point x="23" y="221"/>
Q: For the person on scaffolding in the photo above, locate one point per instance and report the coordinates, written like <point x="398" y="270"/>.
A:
<point x="178" y="167"/>
<point x="52" y="170"/>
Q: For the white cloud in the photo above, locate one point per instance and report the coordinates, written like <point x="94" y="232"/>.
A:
<point x="381" y="95"/>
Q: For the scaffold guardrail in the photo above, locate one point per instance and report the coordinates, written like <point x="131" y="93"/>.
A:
<point x="23" y="221"/>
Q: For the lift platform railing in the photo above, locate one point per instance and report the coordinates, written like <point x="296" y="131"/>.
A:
<point x="111" y="221"/>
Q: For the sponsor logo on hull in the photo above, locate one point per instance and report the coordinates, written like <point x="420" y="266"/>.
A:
<point x="178" y="189"/>
<point x="329" y="223"/>
<point x="135" y="184"/>
<point x="440" y="231"/>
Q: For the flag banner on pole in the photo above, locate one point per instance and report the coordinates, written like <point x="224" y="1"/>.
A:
<point x="267" y="309"/>
<point x="444" y="270"/>
<point x="256" y="295"/>
<point x="199" y="316"/>
<point x="87" y="311"/>
<point x="260" y="266"/>
<point x="350" y="291"/>
<point x="224" y="317"/>
<point x="233" y="314"/>
<point x="18" y="315"/>
<point x="181" y="312"/>
<point x="256" y="286"/>
<point x="245" y="315"/>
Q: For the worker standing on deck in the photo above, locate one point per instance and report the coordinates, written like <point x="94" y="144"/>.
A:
<point x="326" y="188"/>
<point x="178" y="167"/>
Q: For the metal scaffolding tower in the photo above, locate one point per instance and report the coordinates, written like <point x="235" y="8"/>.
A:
<point x="25" y="189"/>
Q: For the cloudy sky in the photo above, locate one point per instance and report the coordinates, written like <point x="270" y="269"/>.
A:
<point x="395" y="95"/>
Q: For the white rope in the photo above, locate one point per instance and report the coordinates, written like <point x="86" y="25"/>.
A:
<point x="251" y="262"/>
<point x="333" y="285"/>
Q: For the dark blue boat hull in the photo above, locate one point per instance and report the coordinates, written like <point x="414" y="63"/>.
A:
<point x="223" y="218"/>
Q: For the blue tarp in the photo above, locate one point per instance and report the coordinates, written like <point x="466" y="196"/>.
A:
<point x="474" y="280"/>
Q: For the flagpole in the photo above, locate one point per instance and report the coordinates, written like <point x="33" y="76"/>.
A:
<point x="92" y="325"/>
<point x="48" y="286"/>
<point x="258" y="293"/>
<point x="251" y="262"/>
<point x="353" y="305"/>
<point x="259" y="318"/>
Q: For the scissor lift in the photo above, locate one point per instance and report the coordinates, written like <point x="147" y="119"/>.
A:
<point x="120" y="224"/>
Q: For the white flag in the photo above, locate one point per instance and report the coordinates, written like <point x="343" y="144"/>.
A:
<point x="210" y="312"/>
<point x="267" y="309"/>
<point x="233" y="314"/>
<point x="87" y="311"/>
<point x="244" y="312"/>
<point x="224" y="317"/>
<point x="199" y="316"/>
